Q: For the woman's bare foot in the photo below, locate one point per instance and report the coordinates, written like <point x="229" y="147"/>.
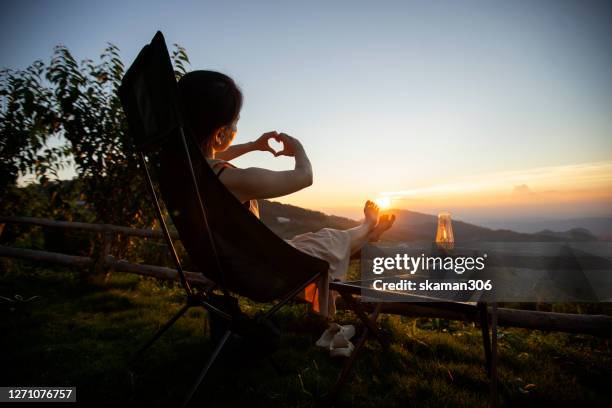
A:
<point x="384" y="223"/>
<point x="370" y="210"/>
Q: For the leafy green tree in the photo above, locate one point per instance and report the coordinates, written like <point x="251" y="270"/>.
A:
<point x="27" y="121"/>
<point x="78" y="104"/>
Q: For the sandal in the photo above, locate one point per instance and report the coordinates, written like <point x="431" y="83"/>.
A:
<point x="326" y="338"/>
<point x="340" y="346"/>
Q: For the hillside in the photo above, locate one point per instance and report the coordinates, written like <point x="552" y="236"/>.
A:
<point x="598" y="226"/>
<point x="84" y="335"/>
<point x="288" y="221"/>
<point x="413" y="226"/>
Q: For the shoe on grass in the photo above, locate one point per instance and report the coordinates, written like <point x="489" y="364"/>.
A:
<point x="326" y="338"/>
<point x="340" y="346"/>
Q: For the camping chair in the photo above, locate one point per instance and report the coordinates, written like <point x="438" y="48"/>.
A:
<point x="227" y="243"/>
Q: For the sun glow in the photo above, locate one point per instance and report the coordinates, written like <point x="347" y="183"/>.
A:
<point x="383" y="202"/>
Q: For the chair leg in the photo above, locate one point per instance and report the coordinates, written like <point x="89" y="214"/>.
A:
<point x="486" y="340"/>
<point x="207" y="367"/>
<point x="160" y="332"/>
<point x="287" y="298"/>
<point x="330" y="398"/>
<point x="367" y="321"/>
<point x="494" y="393"/>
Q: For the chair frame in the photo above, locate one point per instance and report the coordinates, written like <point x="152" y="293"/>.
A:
<point x="202" y="296"/>
<point x="349" y="294"/>
<point x="198" y="298"/>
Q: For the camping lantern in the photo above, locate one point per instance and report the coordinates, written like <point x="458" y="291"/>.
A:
<point x="444" y="234"/>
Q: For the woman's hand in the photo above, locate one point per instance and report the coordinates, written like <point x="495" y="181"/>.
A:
<point x="261" y="144"/>
<point x="291" y="146"/>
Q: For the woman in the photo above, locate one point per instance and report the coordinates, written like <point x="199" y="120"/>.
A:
<point x="211" y="104"/>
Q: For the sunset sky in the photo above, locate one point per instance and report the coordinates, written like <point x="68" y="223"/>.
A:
<point x="484" y="109"/>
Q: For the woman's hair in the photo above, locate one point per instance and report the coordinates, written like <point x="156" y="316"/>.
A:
<point x="209" y="100"/>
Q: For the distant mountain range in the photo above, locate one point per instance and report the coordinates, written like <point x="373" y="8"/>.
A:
<point x="413" y="226"/>
<point x="598" y="226"/>
<point x="288" y="221"/>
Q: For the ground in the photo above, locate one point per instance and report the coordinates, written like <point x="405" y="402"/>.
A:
<point x="83" y="335"/>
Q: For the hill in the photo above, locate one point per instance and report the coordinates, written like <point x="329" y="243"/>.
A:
<point x="288" y="221"/>
<point x="413" y="226"/>
<point x="85" y="335"/>
<point x="598" y="226"/>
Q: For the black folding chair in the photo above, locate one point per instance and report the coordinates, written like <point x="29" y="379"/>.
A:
<point x="227" y="243"/>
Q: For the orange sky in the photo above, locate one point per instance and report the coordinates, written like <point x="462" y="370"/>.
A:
<point x="570" y="190"/>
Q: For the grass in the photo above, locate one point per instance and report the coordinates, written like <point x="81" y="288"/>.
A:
<point x="84" y="334"/>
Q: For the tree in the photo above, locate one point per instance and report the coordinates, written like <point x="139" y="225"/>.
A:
<point x="78" y="104"/>
<point x="27" y="120"/>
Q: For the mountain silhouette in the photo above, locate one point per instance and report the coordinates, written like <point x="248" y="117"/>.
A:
<point x="410" y="226"/>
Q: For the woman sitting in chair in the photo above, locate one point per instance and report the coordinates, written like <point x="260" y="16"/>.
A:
<point x="211" y="104"/>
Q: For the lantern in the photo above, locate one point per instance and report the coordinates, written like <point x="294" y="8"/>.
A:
<point x="444" y="234"/>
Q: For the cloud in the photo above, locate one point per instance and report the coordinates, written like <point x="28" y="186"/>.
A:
<point x="522" y="189"/>
<point x="595" y="176"/>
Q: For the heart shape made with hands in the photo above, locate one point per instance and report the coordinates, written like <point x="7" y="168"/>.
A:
<point x="276" y="145"/>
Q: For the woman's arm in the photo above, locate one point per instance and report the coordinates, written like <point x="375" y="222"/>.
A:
<point x="256" y="183"/>
<point x="234" y="151"/>
<point x="261" y="144"/>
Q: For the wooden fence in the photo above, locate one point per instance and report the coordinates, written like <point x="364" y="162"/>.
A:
<point x="599" y="325"/>
<point x="105" y="261"/>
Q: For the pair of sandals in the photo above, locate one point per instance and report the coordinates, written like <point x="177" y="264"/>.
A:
<point x="337" y="340"/>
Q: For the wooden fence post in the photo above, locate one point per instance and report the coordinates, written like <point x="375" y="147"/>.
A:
<point x="107" y="242"/>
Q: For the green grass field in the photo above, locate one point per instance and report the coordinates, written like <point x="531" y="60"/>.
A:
<point x="84" y="334"/>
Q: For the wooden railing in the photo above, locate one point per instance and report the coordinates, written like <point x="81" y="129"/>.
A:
<point x="105" y="261"/>
<point x="600" y="325"/>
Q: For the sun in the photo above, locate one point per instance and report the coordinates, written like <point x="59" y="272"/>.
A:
<point x="383" y="202"/>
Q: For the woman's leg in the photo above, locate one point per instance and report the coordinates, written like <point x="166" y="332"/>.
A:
<point x="361" y="234"/>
